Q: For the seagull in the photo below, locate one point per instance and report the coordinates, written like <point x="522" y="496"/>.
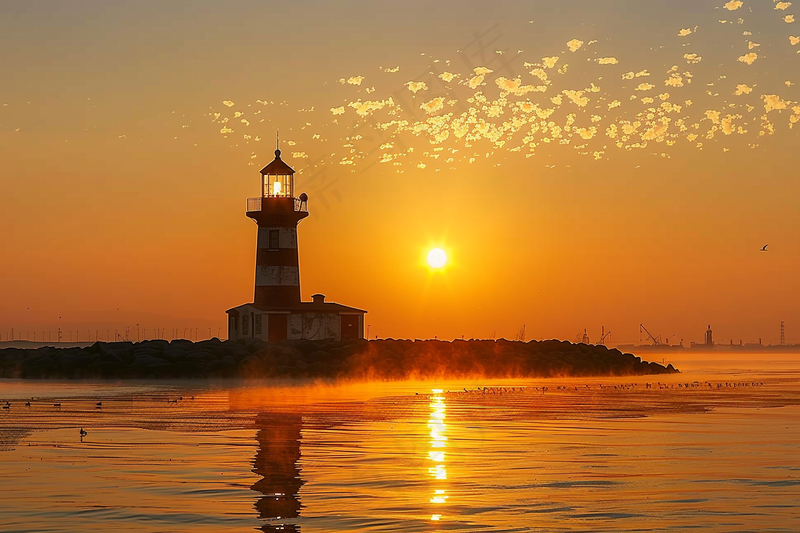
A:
<point x="764" y="248"/>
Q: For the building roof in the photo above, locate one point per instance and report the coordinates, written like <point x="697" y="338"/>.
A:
<point x="305" y="307"/>
<point x="277" y="166"/>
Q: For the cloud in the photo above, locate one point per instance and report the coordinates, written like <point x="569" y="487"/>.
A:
<point x="228" y="103"/>
<point x="299" y="155"/>
<point x="788" y="19"/>
<point x="586" y="133"/>
<point x="574" y="45"/>
<point x="751" y="45"/>
<point x="482" y="71"/>
<point x="514" y="86"/>
<point x="415" y="86"/>
<point x="448" y="76"/>
<point x="433" y="106"/>
<point x="713" y="116"/>
<point x="368" y="106"/>
<point x="395" y="69"/>
<point x="550" y="62"/>
<point x="782" y="5"/>
<point x="727" y="124"/>
<point x="748" y="58"/>
<point x="733" y="5"/>
<point x="674" y="80"/>
<point x="684" y="32"/>
<point x="338" y="110"/>
<point x="742" y="89"/>
<point x="773" y="102"/>
<point x="692" y="58"/>
<point x="576" y="97"/>
<point x="355" y="80"/>
<point x="644" y="87"/>
<point x="615" y="103"/>
<point x="475" y="81"/>
<point x="794" y="40"/>
<point x="607" y="60"/>
<point x="539" y="73"/>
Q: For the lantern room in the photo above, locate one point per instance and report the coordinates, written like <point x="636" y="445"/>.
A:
<point x="277" y="179"/>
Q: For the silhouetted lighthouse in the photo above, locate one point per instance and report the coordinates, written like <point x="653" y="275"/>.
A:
<point x="277" y="213"/>
<point x="277" y="312"/>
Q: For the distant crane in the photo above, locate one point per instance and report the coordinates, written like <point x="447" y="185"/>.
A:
<point x="656" y="340"/>
<point x="604" y="335"/>
<point x="585" y="338"/>
<point x="129" y="330"/>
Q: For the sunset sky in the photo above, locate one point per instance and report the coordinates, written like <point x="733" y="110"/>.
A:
<point x="583" y="164"/>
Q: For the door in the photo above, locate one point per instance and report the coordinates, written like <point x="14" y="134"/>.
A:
<point x="349" y="327"/>
<point x="277" y="328"/>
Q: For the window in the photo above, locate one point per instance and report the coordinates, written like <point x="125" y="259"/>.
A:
<point x="274" y="239"/>
<point x="257" y="324"/>
<point x="245" y="324"/>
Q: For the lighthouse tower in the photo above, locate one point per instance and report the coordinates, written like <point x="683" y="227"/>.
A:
<point x="277" y="213"/>
<point x="277" y="312"/>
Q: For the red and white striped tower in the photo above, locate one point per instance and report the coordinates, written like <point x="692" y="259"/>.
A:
<point x="277" y="212"/>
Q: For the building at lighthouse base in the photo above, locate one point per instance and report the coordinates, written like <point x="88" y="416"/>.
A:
<point x="316" y="320"/>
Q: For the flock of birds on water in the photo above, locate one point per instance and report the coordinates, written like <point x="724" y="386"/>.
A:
<point x="501" y="391"/>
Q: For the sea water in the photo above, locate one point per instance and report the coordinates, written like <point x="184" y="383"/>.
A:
<point x="716" y="447"/>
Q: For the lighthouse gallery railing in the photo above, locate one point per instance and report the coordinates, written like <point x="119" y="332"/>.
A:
<point x="254" y="204"/>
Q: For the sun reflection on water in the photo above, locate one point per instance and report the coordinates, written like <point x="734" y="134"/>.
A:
<point x="438" y="442"/>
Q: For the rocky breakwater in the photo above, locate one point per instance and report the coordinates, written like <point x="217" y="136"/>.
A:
<point x="378" y="359"/>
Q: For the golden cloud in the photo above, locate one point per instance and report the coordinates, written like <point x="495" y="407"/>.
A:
<point x="576" y="97"/>
<point x="692" y="58"/>
<point x="684" y="32"/>
<point x="748" y="58"/>
<point x="742" y="89"/>
<point x="574" y="45"/>
<point x="607" y="60"/>
<point x="433" y="106"/>
<point x="355" y="80"/>
<point x="773" y="102"/>
<point x="415" y="86"/>
<point x="733" y="5"/>
<point x="475" y="81"/>
<point x="550" y="62"/>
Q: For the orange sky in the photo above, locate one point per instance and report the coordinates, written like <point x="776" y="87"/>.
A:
<point x="124" y="185"/>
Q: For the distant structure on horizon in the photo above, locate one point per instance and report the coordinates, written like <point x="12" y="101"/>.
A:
<point x="709" y="337"/>
<point x="277" y="313"/>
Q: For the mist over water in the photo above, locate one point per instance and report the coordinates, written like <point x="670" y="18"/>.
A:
<point x="714" y="448"/>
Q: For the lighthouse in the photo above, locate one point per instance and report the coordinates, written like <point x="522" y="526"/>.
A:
<point x="277" y="312"/>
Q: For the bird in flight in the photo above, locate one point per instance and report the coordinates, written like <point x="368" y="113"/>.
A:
<point x="764" y="248"/>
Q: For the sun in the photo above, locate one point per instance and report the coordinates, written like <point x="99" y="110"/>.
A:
<point x="437" y="258"/>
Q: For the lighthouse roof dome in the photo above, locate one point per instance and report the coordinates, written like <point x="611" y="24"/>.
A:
<point x="277" y="166"/>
